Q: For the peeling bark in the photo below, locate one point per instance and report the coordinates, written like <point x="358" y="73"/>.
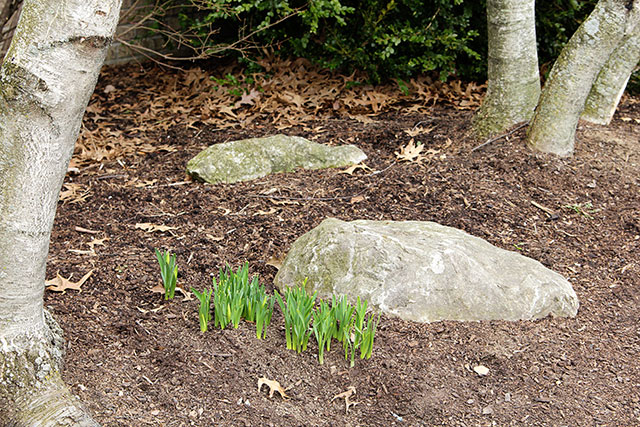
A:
<point x="563" y="98"/>
<point x="514" y="82"/>
<point x="46" y="81"/>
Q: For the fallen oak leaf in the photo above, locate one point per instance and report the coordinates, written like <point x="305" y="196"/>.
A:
<point x="60" y="284"/>
<point x="410" y="152"/>
<point x="418" y="130"/>
<point x="247" y="98"/>
<point x="159" y="289"/>
<point x="95" y="242"/>
<point x="350" y="170"/>
<point x="273" y="387"/>
<point x="351" y="390"/>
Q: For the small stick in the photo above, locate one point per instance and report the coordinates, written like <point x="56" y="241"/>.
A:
<point x="542" y="208"/>
<point x="504" y="135"/>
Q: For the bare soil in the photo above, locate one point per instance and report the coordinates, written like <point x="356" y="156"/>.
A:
<point x="136" y="360"/>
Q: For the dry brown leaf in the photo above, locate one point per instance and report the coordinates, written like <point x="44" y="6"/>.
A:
<point x="350" y="170"/>
<point x="410" y="152"/>
<point x="74" y="193"/>
<point x="247" y="98"/>
<point x="145" y="183"/>
<point x="269" y="212"/>
<point x="351" y="390"/>
<point x="159" y="289"/>
<point x="153" y="310"/>
<point x="356" y="199"/>
<point x="273" y="387"/>
<point x="363" y="119"/>
<point x="276" y="261"/>
<point x="92" y="244"/>
<point x="150" y="228"/>
<point x="280" y="202"/>
<point x="419" y="130"/>
<point x="60" y="284"/>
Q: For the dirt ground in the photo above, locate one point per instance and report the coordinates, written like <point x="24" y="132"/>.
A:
<point x="136" y="360"/>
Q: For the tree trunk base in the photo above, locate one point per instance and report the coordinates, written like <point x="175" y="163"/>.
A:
<point x="32" y="392"/>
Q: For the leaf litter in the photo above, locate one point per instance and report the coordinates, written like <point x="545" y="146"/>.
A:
<point x="290" y="92"/>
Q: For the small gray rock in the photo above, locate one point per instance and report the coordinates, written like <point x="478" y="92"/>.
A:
<point x="257" y="157"/>
<point x="425" y="272"/>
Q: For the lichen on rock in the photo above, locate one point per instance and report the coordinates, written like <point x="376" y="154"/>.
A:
<point x="424" y="271"/>
<point x="253" y="158"/>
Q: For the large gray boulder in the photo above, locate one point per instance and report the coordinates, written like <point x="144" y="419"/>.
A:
<point x="257" y="157"/>
<point x="424" y="271"/>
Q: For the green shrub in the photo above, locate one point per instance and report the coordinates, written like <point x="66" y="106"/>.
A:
<point x="385" y="38"/>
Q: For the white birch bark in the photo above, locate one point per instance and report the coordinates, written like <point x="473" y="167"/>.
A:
<point x="46" y="80"/>
<point x="563" y="97"/>
<point x="612" y="80"/>
<point x="513" y="77"/>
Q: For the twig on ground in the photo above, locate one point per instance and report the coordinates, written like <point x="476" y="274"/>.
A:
<point x="504" y="135"/>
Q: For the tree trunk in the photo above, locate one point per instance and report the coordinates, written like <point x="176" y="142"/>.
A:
<point x="563" y="98"/>
<point x="513" y="77"/>
<point x="612" y="80"/>
<point x="46" y="81"/>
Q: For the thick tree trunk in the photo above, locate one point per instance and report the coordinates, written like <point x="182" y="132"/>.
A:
<point x="606" y="92"/>
<point x="46" y="80"/>
<point x="563" y="98"/>
<point x="514" y="81"/>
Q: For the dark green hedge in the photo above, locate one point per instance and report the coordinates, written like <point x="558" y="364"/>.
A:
<point x="385" y="38"/>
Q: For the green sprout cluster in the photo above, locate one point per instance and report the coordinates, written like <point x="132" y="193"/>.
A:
<point x="235" y="296"/>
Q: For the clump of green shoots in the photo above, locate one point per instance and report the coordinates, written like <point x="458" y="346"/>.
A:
<point x="264" y="311"/>
<point x="352" y="329"/>
<point x="364" y="332"/>
<point x="324" y="326"/>
<point x="204" y="312"/>
<point x="169" y="272"/>
<point x="236" y="297"/>
<point x="342" y="313"/>
<point x="297" y="316"/>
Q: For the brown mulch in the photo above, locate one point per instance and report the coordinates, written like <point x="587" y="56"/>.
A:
<point x="136" y="360"/>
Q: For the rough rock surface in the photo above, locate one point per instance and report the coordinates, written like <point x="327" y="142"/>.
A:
<point x="257" y="157"/>
<point x="425" y="272"/>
